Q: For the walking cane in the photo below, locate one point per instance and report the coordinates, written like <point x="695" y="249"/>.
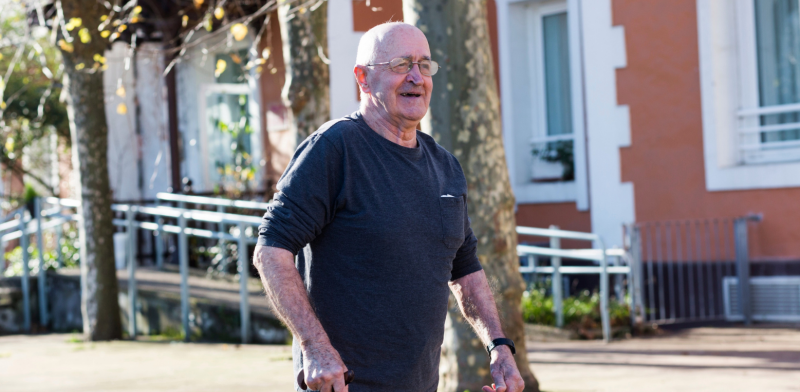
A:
<point x="301" y="378"/>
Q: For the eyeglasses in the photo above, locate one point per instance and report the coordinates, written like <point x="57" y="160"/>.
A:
<point x="403" y="66"/>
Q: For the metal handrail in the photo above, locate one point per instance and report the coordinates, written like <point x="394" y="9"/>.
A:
<point x="27" y="224"/>
<point x="599" y="254"/>
<point x="215" y="201"/>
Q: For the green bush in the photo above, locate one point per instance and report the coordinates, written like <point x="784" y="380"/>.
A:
<point x="581" y="312"/>
<point x="69" y="248"/>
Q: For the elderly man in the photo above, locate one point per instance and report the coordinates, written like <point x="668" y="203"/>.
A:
<point x="376" y="212"/>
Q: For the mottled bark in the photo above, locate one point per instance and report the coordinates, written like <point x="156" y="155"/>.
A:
<point x="87" y="123"/>
<point x="465" y="118"/>
<point x="305" y="52"/>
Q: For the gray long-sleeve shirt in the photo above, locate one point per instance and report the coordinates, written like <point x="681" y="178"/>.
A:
<point x="382" y="229"/>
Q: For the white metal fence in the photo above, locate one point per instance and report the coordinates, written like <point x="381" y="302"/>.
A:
<point x="162" y="220"/>
<point x="600" y="255"/>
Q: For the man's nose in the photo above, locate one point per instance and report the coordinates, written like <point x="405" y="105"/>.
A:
<point x="414" y="76"/>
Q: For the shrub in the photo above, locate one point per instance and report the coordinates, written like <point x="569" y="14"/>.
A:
<point x="581" y="313"/>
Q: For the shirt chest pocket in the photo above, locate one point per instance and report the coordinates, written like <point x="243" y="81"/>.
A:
<point x="452" y="209"/>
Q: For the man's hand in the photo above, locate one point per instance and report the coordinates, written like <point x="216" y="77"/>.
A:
<point x="504" y="372"/>
<point x="323" y="368"/>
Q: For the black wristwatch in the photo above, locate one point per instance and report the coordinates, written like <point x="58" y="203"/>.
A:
<point x="501" y="342"/>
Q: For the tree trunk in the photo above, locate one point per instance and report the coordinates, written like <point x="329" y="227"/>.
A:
<point x="87" y="123"/>
<point x="305" y="47"/>
<point x="465" y="118"/>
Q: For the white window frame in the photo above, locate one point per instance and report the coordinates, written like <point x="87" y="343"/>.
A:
<point x="255" y="137"/>
<point x="526" y="191"/>
<point x="730" y="103"/>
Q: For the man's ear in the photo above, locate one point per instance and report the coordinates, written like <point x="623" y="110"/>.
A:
<point x="360" y="72"/>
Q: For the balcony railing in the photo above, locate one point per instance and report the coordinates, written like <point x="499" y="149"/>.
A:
<point x="751" y="146"/>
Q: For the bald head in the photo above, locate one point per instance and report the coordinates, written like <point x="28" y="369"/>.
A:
<point x="397" y="98"/>
<point x="377" y="43"/>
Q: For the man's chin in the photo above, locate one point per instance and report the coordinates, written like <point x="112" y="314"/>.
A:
<point x="413" y="115"/>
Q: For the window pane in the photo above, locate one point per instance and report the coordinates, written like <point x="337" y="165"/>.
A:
<point x="229" y="145"/>
<point x="556" y="74"/>
<point x="778" y="48"/>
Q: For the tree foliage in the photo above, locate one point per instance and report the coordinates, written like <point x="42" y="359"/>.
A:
<point x="30" y="90"/>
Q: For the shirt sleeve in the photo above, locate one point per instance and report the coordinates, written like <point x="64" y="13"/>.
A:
<point x="306" y="199"/>
<point x="466" y="261"/>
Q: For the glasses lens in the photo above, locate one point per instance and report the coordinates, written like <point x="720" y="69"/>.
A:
<point x="425" y="67"/>
<point x="432" y="68"/>
<point x="400" y="65"/>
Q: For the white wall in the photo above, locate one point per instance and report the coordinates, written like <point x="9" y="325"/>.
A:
<point x="123" y="143"/>
<point x="151" y="90"/>
<point x="607" y="123"/>
<point x="342" y="49"/>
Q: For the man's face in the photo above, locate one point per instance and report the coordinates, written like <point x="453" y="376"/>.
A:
<point x="403" y="96"/>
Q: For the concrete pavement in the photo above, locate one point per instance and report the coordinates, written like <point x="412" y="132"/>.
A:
<point x="701" y="359"/>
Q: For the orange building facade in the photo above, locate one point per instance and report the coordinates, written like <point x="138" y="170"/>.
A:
<point x="622" y="84"/>
<point x="613" y="111"/>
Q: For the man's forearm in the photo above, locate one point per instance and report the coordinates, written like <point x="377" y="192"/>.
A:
<point x="285" y="290"/>
<point x="475" y="299"/>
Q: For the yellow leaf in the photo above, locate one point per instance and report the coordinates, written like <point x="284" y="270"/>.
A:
<point x="265" y="53"/>
<point x="3" y="105"/>
<point x="1" y="56"/>
<point x="103" y="18"/>
<point x="104" y="67"/>
<point x="73" y="23"/>
<point x="105" y="33"/>
<point x="113" y="36"/>
<point x="198" y="3"/>
<point x="99" y="58"/>
<point x="136" y="19"/>
<point x="122" y="109"/>
<point x="80" y="66"/>
<point x="137" y="10"/>
<point x="302" y="10"/>
<point x="9" y="141"/>
<point x="116" y="22"/>
<point x="261" y="61"/>
<point x="122" y="28"/>
<point x="209" y="23"/>
<point x="121" y="91"/>
<point x="221" y="65"/>
<point x="184" y="20"/>
<point x="219" y="13"/>
<point x="239" y="31"/>
<point x="259" y="69"/>
<point x="236" y="59"/>
<point x="85" y="36"/>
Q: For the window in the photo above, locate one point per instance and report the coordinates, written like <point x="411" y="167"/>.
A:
<point x="553" y="144"/>
<point x="750" y="83"/>
<point x="229" y="134"/>
<point x="219" y="117"/>
<point x="771" y="131"/>
<point x="543" y="111"/>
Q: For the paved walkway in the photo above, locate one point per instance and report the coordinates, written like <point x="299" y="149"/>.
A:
<point x="702" y="359"/>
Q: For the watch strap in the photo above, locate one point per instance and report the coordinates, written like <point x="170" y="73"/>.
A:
<point x="501" y="342"/>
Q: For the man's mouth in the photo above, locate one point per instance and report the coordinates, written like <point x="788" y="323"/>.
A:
<point x="411" y="95"/>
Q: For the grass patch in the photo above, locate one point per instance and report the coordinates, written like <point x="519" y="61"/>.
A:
<point x="75" y="339"/>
